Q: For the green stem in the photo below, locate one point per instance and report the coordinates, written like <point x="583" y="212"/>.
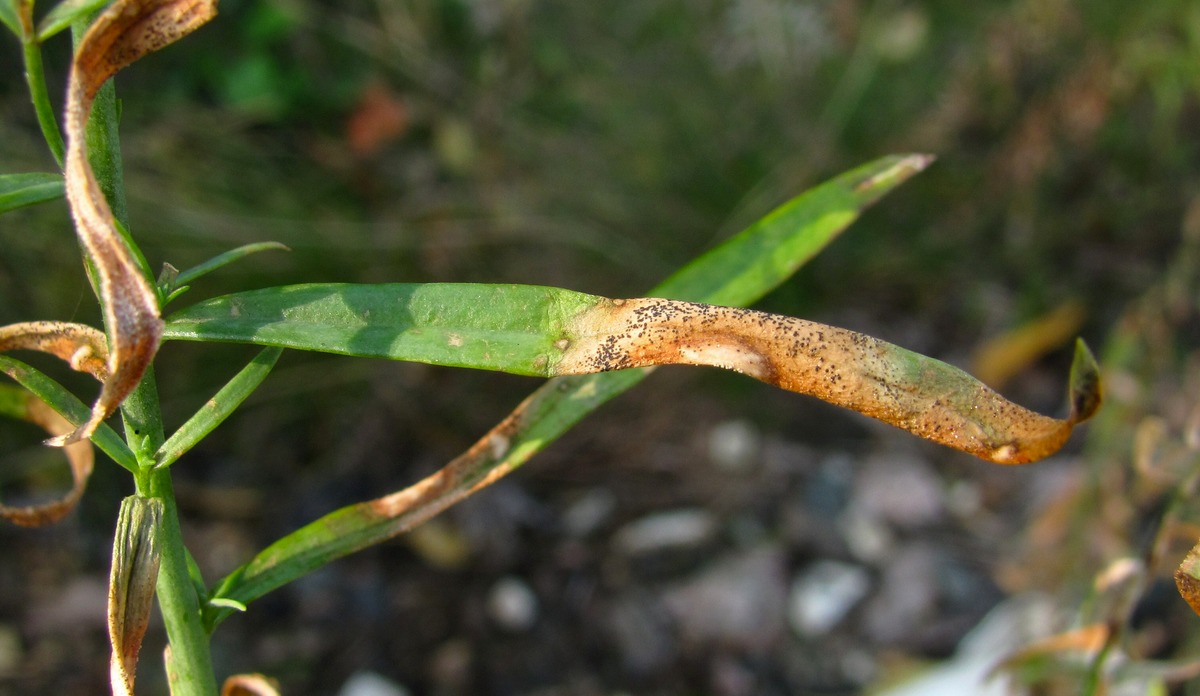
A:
<point x="36" y="79"/>
<point x="189" y="667"/>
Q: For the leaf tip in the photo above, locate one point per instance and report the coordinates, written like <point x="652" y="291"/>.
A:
<point x="901" y="168"/>
<point x="1187" y="579"/>
<point x="1086" y="387"/>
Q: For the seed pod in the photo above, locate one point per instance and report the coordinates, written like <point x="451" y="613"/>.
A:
<point x="131" y="586"/>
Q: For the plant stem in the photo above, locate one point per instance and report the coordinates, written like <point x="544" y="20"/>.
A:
<point x="189" y="665"/>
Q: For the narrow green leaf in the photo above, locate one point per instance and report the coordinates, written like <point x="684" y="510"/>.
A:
<point x="737" y="272"/>
<point x="70" y="407"/>
<point x="761" y="257"/>
<point x="190" y="275"/>
<point x="218" y="408"/>
<point x="19" y="190"/>
<point x="64" y="15"/>
<point x="511" y="328"/>
<point x="39" y="95"/>
<point x="226" y="603"/>
<point x="10" y="18"/>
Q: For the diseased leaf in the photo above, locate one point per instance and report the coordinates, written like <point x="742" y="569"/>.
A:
<point x="81" y="346"/>
<point x="549" y="332"/>
<point x="737" y="272"/>
<point x="250" y="685"/>
<point x="126" y="31"/>
<point x="84" y="349"/>
<point x="1187" y="578"/>
<point x="135" y="561"/>
<point x="926" y="397"/>
<point x="67" y="405"/>
<point x="19" y="190"/>
<point x="19" y="403"/>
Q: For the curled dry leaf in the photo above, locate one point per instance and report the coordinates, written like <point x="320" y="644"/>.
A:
<point x="126" y="31"/>
<point x="250" y="685"/>
<point x="84" y="348"/>
<point x="926" y="397"/>
<point x="79" y="456"/>
<point x="81" y="346"/>
<point x="131" y="586"/>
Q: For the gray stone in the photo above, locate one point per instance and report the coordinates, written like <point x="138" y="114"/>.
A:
<point x="822" y="596"/>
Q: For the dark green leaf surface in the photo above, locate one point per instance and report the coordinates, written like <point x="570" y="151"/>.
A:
<point x="511" y="328"/>
<point x="19" y="190"/>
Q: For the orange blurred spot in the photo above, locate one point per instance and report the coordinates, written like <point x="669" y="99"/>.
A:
<point x="379" y="118"/>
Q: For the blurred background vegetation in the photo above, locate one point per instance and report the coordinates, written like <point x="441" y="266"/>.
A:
<point x="598" y="146"/>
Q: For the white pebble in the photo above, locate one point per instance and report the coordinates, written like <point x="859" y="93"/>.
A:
<point x="367" y="683"/>
<point x="734" y="445"/>
<point x="512" y="604"/>
<point x="673" y="529"/>
<point x="824" y="594"/>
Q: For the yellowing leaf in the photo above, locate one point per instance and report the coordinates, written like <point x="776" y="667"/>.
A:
<point x="924" y="396"/>
<point x="126" y="31"/>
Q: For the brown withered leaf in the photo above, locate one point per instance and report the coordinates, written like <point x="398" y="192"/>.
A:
<point x="80" y="457"/>
<point x="250" y="685"/>
<point x="81" y="346"/>
<point x="131" y="586"/>
<point x="1187" y="578"/>
<point x="85" y="350"/>
<point x="126" y="31"/>
<point x="926" y="397"/>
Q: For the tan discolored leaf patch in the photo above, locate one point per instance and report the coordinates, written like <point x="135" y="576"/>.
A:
<point x="131" y="586"/>
<point x="924" y="396"/>
<point x="126" y="31"/>
<point x="81" y="346"/>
